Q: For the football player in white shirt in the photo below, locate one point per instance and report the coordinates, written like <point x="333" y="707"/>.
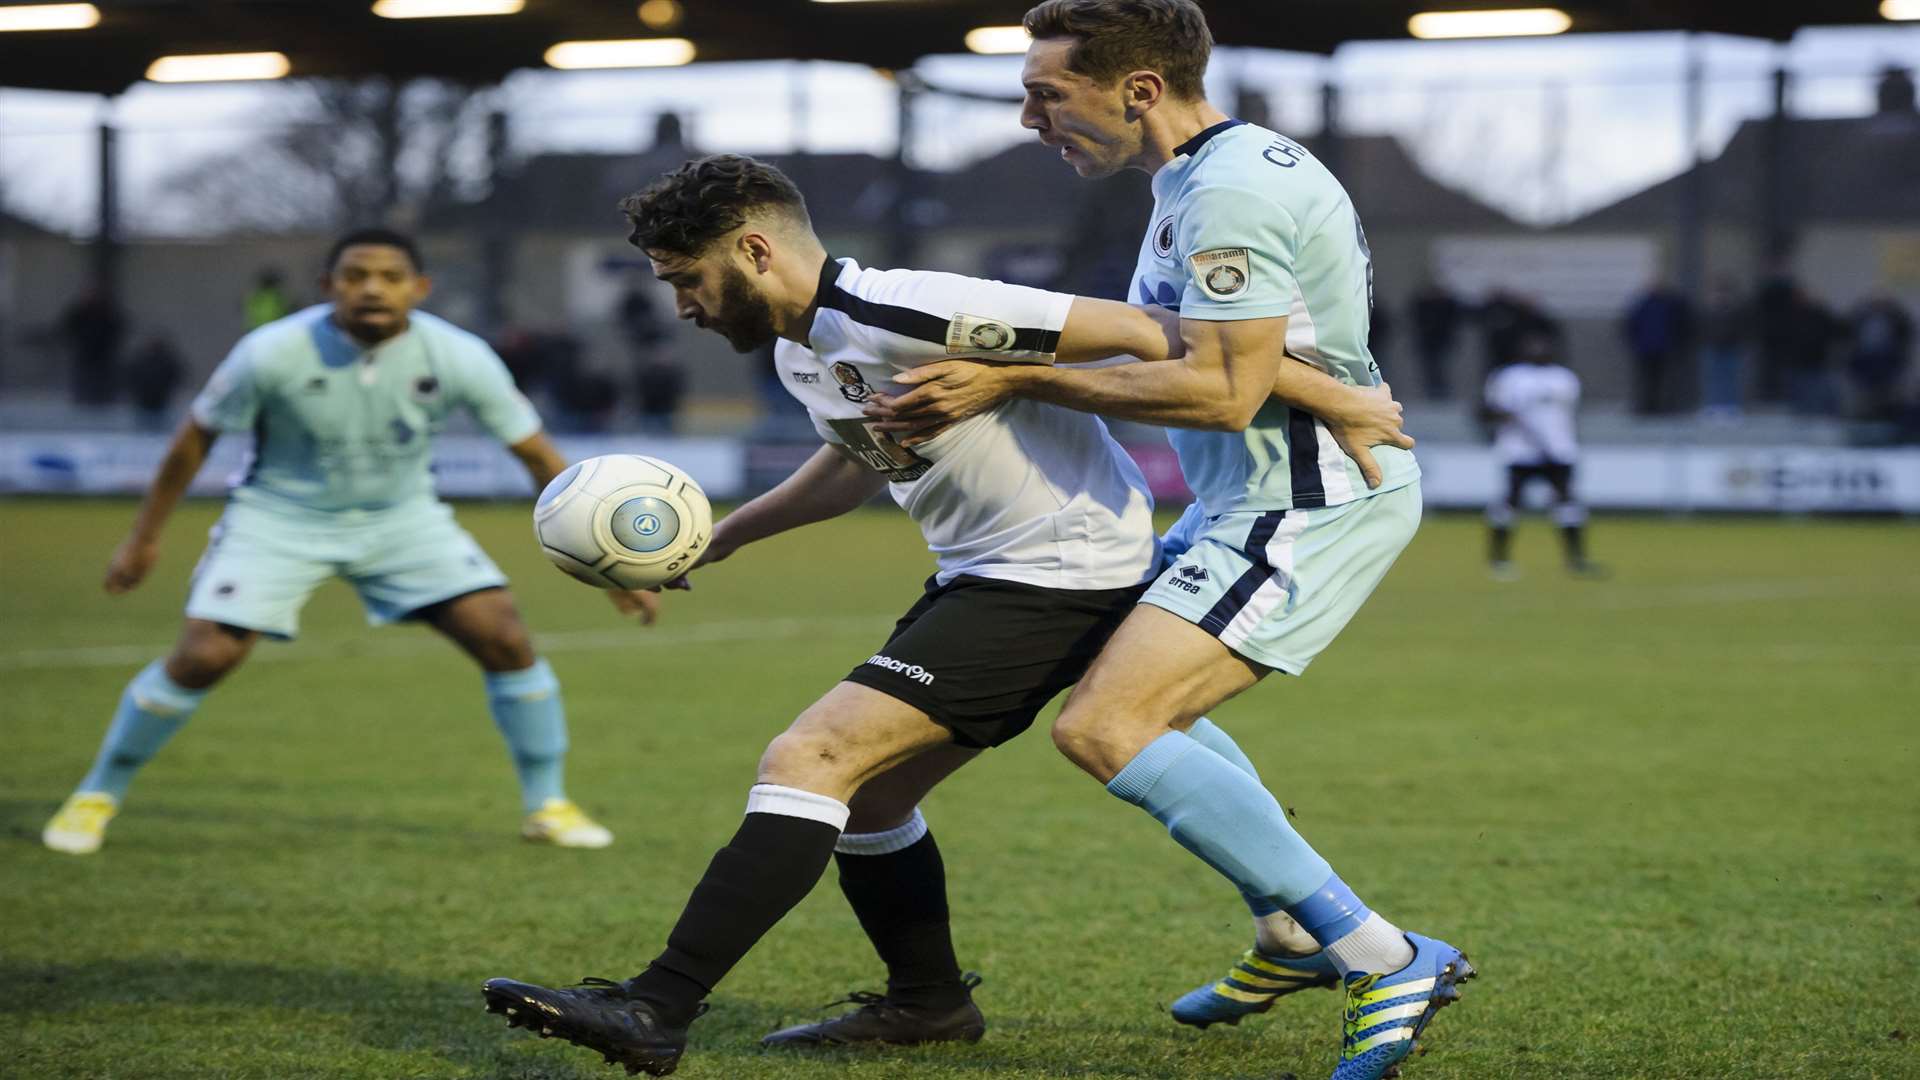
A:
<point x="1531" y="404"/>
<point x="1042" y="532"/>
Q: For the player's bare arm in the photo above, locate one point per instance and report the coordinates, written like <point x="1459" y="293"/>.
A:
<point x="141" y="549"/>
<point x="543" y="462"/>
<point x="828" y="484"/>
<point x="1223" y="372"/>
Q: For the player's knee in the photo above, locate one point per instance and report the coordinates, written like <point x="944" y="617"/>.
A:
<point x="202" y="659"/>
<point x="505" y="647"/>
<point x="805" y="760"/>
<point x="1079" y="739"/>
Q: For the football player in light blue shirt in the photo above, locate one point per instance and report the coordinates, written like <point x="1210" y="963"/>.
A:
<point x="1259" y="249"/>
<point x="343" y="400"/>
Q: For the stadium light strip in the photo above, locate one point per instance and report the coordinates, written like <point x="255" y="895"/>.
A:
<point x="49" y="17"/>
<point x="445" y="9"/>
<point x="219" y="67"/>
<point x="1900" y="10"/>
<point x="635" y="52"/>
<point x="1510" y="22"/>
<point x="998" y="40"/>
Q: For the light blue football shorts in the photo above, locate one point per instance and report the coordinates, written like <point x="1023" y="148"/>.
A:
<point x="1278" y="586"/>
<point x="261" y="564"/>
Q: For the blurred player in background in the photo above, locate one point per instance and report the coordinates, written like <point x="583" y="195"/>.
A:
<point x="343" y="400"/>
<point x="1531" y="404"/>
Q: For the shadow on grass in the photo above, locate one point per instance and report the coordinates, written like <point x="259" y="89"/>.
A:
<point x="442" y="1018"/>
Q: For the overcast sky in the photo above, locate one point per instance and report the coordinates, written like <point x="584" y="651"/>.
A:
<point x="1544" y="128"/>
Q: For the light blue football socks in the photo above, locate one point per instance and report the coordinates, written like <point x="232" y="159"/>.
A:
<point x="526" y="707"/>
<point x="1213" y="737"/>
<point x="1223" y="815"/>
<point x="151" y="709"/>
<point x="1217" y="810"/>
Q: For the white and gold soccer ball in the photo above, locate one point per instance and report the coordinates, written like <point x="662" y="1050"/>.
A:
<point x="623" y="521"/>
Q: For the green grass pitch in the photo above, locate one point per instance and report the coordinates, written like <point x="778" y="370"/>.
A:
<point x="1673" y="818"/>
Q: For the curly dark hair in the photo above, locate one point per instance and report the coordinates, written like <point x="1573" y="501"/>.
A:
<point x="1118" y="36"/>
<point x="689" y="208"/>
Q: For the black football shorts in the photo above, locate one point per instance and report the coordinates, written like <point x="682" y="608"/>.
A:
<point x="983" y="657"/>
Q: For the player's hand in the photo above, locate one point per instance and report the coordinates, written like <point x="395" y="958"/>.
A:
<point x="718" y="549"/>
<point x="1372" y="418"/>
<point x="130" y="563"/>
<point x="642" y="602"/>
<point x="943" y="394"/>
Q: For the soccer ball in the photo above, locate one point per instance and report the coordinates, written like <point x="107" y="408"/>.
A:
<point x="623" y="521"/>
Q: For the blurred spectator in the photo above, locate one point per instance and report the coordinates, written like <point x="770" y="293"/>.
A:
<point x="1436" y="323"/>
<point x="1774" y="307"/>
<point x="1726" y="327"/>
<point x="153" y="374"/>
<point x="1813" y="331"/>
<point x="661" y="386"/>
<point x="641" y="324"/>
<point x="94" y="328"/>
<point x="268" y="299"/>
<point x="1880" y="345"/>
<point x="1658" y="329"/>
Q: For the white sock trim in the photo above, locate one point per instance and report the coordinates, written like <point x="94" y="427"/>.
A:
<point x="1374" y="945"/>
<point x="898" y="838"/>
<point x="793" y="802"/>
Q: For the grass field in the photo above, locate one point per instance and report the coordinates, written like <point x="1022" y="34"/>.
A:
<point x="1673" y="818"/>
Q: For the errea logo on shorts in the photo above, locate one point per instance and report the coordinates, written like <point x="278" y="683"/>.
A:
<point x="912" y="671"/>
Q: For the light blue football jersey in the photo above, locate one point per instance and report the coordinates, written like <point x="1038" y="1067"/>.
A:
<point x="341" y="426"/>
<point x="1248" y="225"/>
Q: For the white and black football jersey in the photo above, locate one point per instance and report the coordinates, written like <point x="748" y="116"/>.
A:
<point x="1026" y="492"/>
<point x="1540" y="401"/>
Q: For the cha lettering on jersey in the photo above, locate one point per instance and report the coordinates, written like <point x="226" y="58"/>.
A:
<point x="1222" y="273"/>
<point x="977" y="334"/>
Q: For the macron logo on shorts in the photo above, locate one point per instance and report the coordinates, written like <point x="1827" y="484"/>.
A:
<point x="912" y="671"/>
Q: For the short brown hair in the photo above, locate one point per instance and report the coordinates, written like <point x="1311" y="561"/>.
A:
<point x="1119" y="36"/>
<point x="689" y="208"/>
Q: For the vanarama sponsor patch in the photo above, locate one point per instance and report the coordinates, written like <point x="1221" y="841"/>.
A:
<point x="1222" y="273"/>
<point x="975" y="334"/>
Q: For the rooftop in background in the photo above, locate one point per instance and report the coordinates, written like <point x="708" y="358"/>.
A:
<point x="1864" y="170"/>
<point x="344" y="37"/>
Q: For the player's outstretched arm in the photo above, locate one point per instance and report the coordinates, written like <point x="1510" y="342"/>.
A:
<point x="141" y="549"/>
<point x="540" y="458"/>
<point x="828" y="484"/>
<point x="1103" y="329"/>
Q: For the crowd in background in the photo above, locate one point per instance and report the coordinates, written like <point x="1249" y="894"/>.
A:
<point x="1777" y="346"/>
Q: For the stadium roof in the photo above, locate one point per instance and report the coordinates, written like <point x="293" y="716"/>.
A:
<point x="344" y="37"/>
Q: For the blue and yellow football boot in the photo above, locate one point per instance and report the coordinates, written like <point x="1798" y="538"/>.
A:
<point x="1385" y="1014"/>
<point x="1252" y="986"/>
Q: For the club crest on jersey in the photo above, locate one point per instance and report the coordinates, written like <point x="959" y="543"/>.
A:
<point x="1223" y="273"/>
<point x="426" y="388"/>
<point x="975" y="334"/>
<point x="853" y="385"/>
<point x="1163" y="237"/>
